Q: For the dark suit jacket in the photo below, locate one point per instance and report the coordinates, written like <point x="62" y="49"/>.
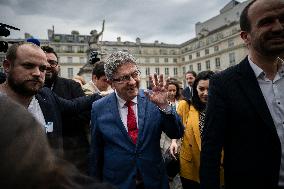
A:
<point x="187" y="93"/>
<point x="115" y="158"/>
<point x="239" y="120"/>
<point x="53" y="106"/>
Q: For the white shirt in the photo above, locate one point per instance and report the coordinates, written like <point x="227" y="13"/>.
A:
<point x="273" y="92"/>
<point x="123" y="110"/>
<point x="36" y="111"/>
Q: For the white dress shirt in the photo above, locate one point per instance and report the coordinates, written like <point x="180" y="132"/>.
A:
<point x="273" y="92"/>
<point x="123" y="110"/>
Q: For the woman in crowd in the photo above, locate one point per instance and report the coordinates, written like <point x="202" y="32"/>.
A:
<point x="191" y="142"/>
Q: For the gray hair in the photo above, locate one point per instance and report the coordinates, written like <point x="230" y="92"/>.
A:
<point x="115" y="60"/>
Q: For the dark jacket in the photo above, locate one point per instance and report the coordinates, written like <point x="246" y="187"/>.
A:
<point x="186" y="93"/>
<point x="53" y="106"/>
<point x="239" y="121"/>
<point x="75" y="143"/>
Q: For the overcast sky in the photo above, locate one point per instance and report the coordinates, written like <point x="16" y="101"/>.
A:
<point x="168" y="21"/>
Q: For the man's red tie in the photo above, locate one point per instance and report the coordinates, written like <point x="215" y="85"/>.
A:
<point x="131" y="122"/>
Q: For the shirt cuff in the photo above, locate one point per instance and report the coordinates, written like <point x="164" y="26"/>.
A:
<point x="167" y="110"/>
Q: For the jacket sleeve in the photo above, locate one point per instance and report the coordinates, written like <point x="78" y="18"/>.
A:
<point x="96" y="151"/>
<point x="172" y="125"/>
<point x="76" y="105"/>
<point x="213" y="138"/>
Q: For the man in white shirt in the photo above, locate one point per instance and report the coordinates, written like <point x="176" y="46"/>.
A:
<point x="245" y="110"/>
<point x="126" y="131"/>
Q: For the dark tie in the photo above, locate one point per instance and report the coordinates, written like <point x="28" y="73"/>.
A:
<point x="131" y="122"/>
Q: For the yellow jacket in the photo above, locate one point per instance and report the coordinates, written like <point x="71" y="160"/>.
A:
<point x="191" y="147"/>
<point x="182" y="110"/>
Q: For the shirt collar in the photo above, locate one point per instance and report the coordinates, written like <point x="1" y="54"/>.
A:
<point x="257" y="70"/>
<point x="122" y="102"/>
<point x="259" y="73"/>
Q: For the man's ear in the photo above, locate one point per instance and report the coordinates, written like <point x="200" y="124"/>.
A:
<point x="7" y="64"/>
<point x="246" y="37"/>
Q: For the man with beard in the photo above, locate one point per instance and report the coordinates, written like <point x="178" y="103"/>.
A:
<point x="245" y="112"/>
<point x="75" y="142"/>
<point x="126" y="131"/>
<point x="25" y="66"/>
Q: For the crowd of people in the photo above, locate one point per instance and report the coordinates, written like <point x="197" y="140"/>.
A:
<point x="223" y="130"/>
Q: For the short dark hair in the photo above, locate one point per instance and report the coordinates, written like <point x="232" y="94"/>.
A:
<point x="191" y="72"/>
<point x="98" y="69"/>
<point x="49" y="49"/>
<point x="196" y="102"/>
<point x="11" y="53"/>
<point x="245" y="24"/>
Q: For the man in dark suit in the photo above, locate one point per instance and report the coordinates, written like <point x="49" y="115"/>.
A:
<point x="190" y="77"/>
<point x="126" y="132"/>
<point x="25" y="66"/>
<point x="245" y="113"/>
<point x="75" y="142"/>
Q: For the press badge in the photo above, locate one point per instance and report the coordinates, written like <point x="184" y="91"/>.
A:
<point x="49" y="127"/>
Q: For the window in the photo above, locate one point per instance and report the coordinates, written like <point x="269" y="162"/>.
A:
<point x="183" y="70"/>
<point x="217" y="63"/>
<point x="198" y="54"/>
<point x="166" y="60"/>
<point x="166" y="71"/>
<point x="81" y="49"/>
<point x="216" y="48"/>
<point x="148" y="84"/>
<point x="69" y="48"/>
<point x="230" y="43"/>
<point x="232" y="59"/>
<point x="207" y="64"/>
<point x="57" y="48"/>
<point x="175" y="71"/>
<point x="82" y="60"/>
<point x="175" y="60"/>
<point x="156" y="59"/>
<point x="147" y="60"/>
<point x="81" y="39"/>
<point x="157" y="70"/>
<point x="182" y="59"/>
<point x="199" y="66"/>
<point x="191" y="67"/>
<point x="70" y="73"/>
<point x="69" y="60"/>
<point x="206" y="51"/>
<point x="57" y="38"/>
<point x="147" y="71"/>
<point x="70" y="38"/>
<point x="190" y="57"/>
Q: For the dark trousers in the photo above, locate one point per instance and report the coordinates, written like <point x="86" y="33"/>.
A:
<point x="189" y="184"/>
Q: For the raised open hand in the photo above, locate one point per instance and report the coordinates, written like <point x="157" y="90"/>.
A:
<point x="158" y="94"/>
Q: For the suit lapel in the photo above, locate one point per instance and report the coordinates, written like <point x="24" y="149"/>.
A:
<point x="113" y="108"/>
<point x="141" y="99"/>
<point x="249" y="83"/>
<point x="48" y="115"/>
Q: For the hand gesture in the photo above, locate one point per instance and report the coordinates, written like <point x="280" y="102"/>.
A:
<point x="158" y="95"/>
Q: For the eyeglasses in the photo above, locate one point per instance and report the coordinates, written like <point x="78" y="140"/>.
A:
<point x="52" y="63"/>
<point x="125" y="78"/>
